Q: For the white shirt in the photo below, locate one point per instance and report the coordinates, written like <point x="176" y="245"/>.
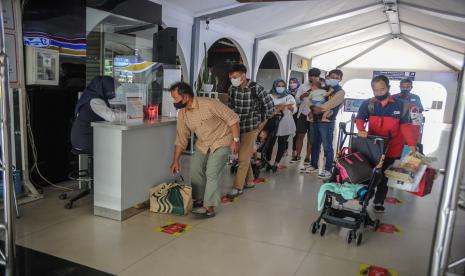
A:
<point x="286" y="125"/>
<point x="110" y="115"/>
<point x="304" y="105"/>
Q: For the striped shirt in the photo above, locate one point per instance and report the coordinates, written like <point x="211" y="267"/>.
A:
<point x="251" y="109"/>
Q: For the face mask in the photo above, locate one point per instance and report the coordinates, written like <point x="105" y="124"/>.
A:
<point x="332" y="82"/>
<point x="179" y="105"/>
<point x="293" y="85"/>
<point x="405" y="91"/>
<point x="279" y="90"/>
<point x="236" y="82"/>
<point x="382" y="98"/>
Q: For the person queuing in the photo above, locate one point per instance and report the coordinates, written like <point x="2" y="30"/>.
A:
<point x="294" y="85"/>
<point x="254" y="107"/>
<point x="93" y="106"/>
<point x="302" y="99"/>
<point x="406" y="94"/>
<point x="217" y="130"/>
<point x="285" y="107"/>
<point x="386" y="116"/>
<point x="322" y="131"/>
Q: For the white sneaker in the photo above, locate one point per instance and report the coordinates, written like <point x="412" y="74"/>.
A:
<point x="234" y="193"/>
<point x="311" y="169"/>
<point x="324" y="174"/>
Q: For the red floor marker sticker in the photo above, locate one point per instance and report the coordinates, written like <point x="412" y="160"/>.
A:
<point x="174" y="228"/>
<point x="388" y="228"/>
<point x="392" y="200"/>
<point x="227" y="200"/>
<point x="373" y="270"/>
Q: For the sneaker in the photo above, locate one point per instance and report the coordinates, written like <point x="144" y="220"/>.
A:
<point x="249" y="185"/>
<point x="303" y="168"/>
<point x="311" y="169"/>
<point x="306" y="162"/>
<point x="235" y="193"/>
<point x="295" y="159"/>
<point x="379" y="208"/>
<point x="324" y="174"/>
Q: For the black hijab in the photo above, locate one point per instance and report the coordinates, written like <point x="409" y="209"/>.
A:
<point x="101" y="88"/>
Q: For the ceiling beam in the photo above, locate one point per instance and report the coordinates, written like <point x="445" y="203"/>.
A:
<point x="321" y="21"/>
<point x="364" y="52"/>
<point x="436" y="13"/>
<point x="392" y="14"/>
<point x="232" y="10"/>
<point x="431" y="43"/>
<point x="353" y="44"/>
<point x="338" y="36"/>
<point x="430" y="54"/>
<point x="441" y="34"/>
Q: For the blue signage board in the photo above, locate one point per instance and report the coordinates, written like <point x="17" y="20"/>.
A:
<point x="396" y="75"/>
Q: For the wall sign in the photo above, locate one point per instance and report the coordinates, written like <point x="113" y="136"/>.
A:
<point x="396" y="75"/>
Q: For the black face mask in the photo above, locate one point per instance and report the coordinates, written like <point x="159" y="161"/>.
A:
<point x="382" y="98"/>
<point x="179" y="105"/>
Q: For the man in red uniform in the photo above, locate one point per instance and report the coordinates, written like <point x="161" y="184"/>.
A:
<point x="386" y="116"/>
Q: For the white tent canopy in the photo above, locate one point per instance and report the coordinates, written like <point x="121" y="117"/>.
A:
<point x="312" y="28"/>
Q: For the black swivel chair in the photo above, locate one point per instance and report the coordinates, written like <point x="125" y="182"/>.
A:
<point x="84" y="175"/>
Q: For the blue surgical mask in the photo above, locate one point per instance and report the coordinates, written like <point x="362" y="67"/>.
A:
<point x="332" y="82"/>
<point x="279" y="90"/>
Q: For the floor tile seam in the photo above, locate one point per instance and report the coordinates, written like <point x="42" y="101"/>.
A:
<point x="358" y="262"/>
<point x="301" y="263"/>
<point x="251" y="239"/>
<point x="42" y="229"/>
<point x="148" y="254"/>
<point x="269" y="202"/>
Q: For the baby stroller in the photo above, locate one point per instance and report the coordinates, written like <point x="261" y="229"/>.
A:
<point x="334" y="211"/>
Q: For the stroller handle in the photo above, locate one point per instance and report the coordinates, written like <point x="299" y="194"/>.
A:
<point x="342" y="126"/>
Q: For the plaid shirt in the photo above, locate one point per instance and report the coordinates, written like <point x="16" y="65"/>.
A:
<point x="251" y="110"/>
<point x="210" y="120"/>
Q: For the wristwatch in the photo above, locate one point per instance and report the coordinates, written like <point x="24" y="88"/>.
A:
<point x="236" y="139"/>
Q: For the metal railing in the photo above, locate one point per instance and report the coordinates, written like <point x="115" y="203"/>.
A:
<point x="447" y="213"/>
<point x="7" y="255"/>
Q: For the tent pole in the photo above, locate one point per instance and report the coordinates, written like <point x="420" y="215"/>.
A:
<point x="364" y="52"/>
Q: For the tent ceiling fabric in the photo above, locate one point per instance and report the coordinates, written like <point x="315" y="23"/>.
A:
<point x="285" y="14"/>
<point x="435" y="23"/>
<point x="278" y="15"/>
<point x="310" y="51"/>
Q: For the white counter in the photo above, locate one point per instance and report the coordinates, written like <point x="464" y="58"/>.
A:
<point x="128" y="161"/>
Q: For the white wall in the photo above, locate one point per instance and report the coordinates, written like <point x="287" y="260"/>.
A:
<point x="266" y="77"/>
<point x="447" y="79"/>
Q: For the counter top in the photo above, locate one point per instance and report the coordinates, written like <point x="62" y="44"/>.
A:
<point x="161" y="121"/>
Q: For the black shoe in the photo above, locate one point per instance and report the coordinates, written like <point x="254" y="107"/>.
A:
<point x="198" y="203"/>
<point x="268" y="167"/>
<point x="379" y="208"/>
<point x="274" y="168"/>
<point x="295" y="159"/>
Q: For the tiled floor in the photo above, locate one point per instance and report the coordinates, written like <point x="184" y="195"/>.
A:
<point x="265" y="232"/>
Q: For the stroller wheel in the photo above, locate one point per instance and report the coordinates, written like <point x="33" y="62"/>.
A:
<point x="315" y="227"/>
<point x="351" y="236"/>
<point x="376" y="225"/>
<point x="323" y="229"/>
<point x="359" y="238"/>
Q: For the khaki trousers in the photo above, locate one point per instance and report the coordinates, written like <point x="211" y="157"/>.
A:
<point x="244" y="171"/>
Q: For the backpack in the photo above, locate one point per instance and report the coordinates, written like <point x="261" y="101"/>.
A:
<point x="371" y="108"/>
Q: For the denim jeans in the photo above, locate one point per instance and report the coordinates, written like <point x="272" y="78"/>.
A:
<point x="322" y="132"/>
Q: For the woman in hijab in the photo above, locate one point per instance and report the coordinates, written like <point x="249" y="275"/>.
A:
<point x="285" y="107"/>
<point x="294" y="85"/>
<point x="93" y="106"/>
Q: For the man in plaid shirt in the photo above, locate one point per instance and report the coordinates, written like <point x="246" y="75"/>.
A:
<point x="254" y="106"/>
